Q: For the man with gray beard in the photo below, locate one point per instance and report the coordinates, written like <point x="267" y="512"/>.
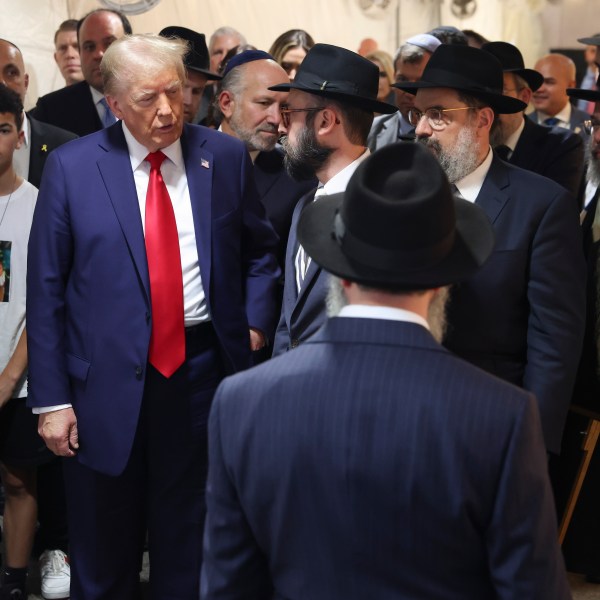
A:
<point x="326" y="121"/>
<point x="251" y="112"/>
<point x="521" y="317"/>
<point x="420" y="475"/>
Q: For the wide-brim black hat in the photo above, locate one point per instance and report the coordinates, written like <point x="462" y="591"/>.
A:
<point x="197" y="57"/>
<point x="589" y="95"/>
<point x="594" y="40"/>
<point x="397" y="223"/>
<point x="468" y="70"/>
<point x="511" y="59"/>
<point x="340" y="74"/>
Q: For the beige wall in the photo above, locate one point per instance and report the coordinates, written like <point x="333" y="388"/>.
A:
<point x="533" y="25"/>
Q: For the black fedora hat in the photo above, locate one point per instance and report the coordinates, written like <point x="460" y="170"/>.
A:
<point x="397" y="223"/>
<point x="593" y="40"/>
<point x="511" y="59"/>
<point x="589" y="95"/>
<point x="197" y="58"/>
<point x="468" y="70"/>
<point x="340" y="74"/>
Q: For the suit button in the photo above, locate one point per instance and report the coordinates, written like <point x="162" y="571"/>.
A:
<point x="295" y="343"/>
<point x="138" y="372"/>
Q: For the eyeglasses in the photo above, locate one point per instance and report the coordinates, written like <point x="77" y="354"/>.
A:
<point x="435" y="116"/>
<point x="591" y="125"/>
<point x="285" y="113"/>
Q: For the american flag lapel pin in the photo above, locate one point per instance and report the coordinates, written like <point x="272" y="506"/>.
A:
<point x="204" y="163"/>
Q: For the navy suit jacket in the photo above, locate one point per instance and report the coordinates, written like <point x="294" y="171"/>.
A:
<point x="89" y="313"/>
<point x="301" y="313"/>
<point x="553" y="152"/>
<point x="279" y="194"/>
<point x="71" y="108"/>
<point x="44" y="138"/>
<point x="522" y="315"/>
<point x="372" y="463"/>
<point x="578" y="116"/>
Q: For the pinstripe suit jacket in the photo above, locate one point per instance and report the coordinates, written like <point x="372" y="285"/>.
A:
<point x="372" y="463"/>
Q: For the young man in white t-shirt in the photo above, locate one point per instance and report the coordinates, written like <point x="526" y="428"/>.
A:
<point x="20" y="450"/>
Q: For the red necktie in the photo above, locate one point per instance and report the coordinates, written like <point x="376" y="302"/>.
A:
<point x="167" y="341"/>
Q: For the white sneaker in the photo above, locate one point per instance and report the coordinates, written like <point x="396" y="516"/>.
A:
<point x="55" y="573"/>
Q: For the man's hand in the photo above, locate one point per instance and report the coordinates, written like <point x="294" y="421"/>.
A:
<point x="257" y="340"/>
<point x="58" y="429"/>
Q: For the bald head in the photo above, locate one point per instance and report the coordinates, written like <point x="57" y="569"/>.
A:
<point x="558" y="71"/>
<point x="12" y="69"/>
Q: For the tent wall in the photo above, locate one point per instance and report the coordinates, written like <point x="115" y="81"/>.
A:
<point x="533" y="25"/>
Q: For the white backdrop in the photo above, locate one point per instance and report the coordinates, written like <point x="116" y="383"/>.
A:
<point x="533" y="25"/>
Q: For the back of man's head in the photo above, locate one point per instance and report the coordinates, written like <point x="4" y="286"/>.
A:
<point x="10" y="103"/>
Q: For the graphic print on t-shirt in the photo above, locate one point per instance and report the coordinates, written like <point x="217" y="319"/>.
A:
<point x="5" y="270"/>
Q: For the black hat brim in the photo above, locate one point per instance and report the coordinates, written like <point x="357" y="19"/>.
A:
<point x="533" y="78"/>
<point x="473" y="244"/>
<point x="590" y="41"/>
<point x="501" y="104"/>
<point x="368" y="104"/>
<point x="581" y="94"/>
<point x="209" y="74"/>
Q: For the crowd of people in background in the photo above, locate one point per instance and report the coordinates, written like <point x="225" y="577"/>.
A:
<point x="301" y="322"/>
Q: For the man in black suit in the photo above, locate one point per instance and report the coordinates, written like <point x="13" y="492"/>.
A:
<point x="81" y="108"/>
<point x="39" y="138"/>
<point x="554" y="152"/>
<point x="521" y="317"/>
<point x="251" y="113"/>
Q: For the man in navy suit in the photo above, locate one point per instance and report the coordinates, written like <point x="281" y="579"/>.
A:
<point x="151" y="275"/>
<point x="522" y="316"/>
<point x="251" y="113"/>
<point x="554" y="152"/>
<point x="370" y="462"/>
<point x="80" y="107"/>
<point x="326" y="122"/>
<point x="552" y="106"/>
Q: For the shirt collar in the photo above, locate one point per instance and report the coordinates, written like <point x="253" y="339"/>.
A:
<point x="470" y="186"/>
<point x="26" y="130"/>
<point x="513" y="138"/>
<point x="564" y="116"/>
<point x="96" y="95"/>
<point x="138" y="152"/>
<point x="368" y="311"/>
<point x="339" y="181"/>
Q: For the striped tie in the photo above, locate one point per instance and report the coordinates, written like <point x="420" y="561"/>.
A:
<point x="302" y="261"/>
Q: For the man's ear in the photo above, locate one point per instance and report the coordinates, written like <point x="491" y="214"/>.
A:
<point x="485" y="118"/>
<point x="20" y="139"/>
<point x="326" y="119"/>
<point x="525" y="95"/>
<point x="226" y="103"/>
<point x="115" y="106"/>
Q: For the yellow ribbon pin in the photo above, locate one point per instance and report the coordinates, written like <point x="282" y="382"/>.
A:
<point x="44" y="148"/>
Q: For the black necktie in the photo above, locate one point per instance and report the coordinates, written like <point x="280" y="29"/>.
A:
<point x="551" y="121"/>
<point x="503" y="152"/>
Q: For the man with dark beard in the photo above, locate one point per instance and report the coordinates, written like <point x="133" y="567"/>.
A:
<point x="251" y="112"/>
<point x="326" y="122"/>
<point x="522" y="316"/>
<point x="370" y="462"/>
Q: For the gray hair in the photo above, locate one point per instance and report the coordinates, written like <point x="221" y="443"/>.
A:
<point x="409" y="53"/>
<point x="139" y="55"/>
<point x="229" y="31"/>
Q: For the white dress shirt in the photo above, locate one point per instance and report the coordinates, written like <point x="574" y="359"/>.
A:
<point x="21" y="155"/>
<point x="389" y="313"/>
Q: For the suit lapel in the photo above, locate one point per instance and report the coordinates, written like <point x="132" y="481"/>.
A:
<point x="115" y="170"/>
<point x="199" y="165"/>
<point x="493" y="195"/>
<point x="266" y="164"/>
<point x="38" y="151"/>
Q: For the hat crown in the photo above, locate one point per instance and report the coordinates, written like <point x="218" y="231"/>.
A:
<point x="331" y="68"/>
<point x="510" y="56"/>
<point x="197" y="57"/>
<point x="464" y="67"/>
